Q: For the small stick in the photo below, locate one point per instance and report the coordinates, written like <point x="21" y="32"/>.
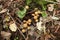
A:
<point x="57" y="29"/>
<point x="17" y="27"/>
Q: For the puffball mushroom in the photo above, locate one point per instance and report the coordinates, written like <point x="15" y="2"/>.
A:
<point x="29" y="20"/>
<point x="27" y="7"/>
<point x="25" y="25"/>
<point x="13" y="27"/>
<point x="23" y="30"/>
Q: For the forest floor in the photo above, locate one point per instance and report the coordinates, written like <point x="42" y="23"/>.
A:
<point x="29" y="20"/>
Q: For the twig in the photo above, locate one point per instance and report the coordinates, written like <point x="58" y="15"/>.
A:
<point x="37" y="37"/>
<point x="21" y="32"/>
<point x="57" y="29"/>
<point x="54" y="12"/>
<point x="26" y="37"/>
<point x="52" y="35"/>
<point x="17" y="27"/>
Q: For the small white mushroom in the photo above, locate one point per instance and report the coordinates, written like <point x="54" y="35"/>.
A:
<point x="39" y="25"/>
<point x="13" y="27"/>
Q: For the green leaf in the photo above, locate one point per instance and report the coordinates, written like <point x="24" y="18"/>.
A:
<point x="16" y="38"/>
<point x="21" y="13"/>
<point x="42" y="3"/>
<point x="44" y="14"/>
<point x="28" y="2"/>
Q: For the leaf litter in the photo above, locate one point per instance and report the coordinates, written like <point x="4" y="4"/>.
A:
<point x="29" y="19"/>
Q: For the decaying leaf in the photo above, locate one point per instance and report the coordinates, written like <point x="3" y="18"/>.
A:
<point x="50" y="7"/>
<point x="55" y="18"/>
<point x="13" y="27"/>
<point x="5" y="35"/>
<point x="7" y="18"/>
<point x="5" y="26"/>
<point x="58" y="0"/>
<point x="4" y="10"/>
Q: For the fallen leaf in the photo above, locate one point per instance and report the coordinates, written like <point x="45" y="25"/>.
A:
<point x="55" y="18"/>
<point x="7" y="18"/>
<point x="50" y="7"/>
<point x="58" y="0"/>
<point x="5" y="35"/>
<point x="4" y="10"/>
